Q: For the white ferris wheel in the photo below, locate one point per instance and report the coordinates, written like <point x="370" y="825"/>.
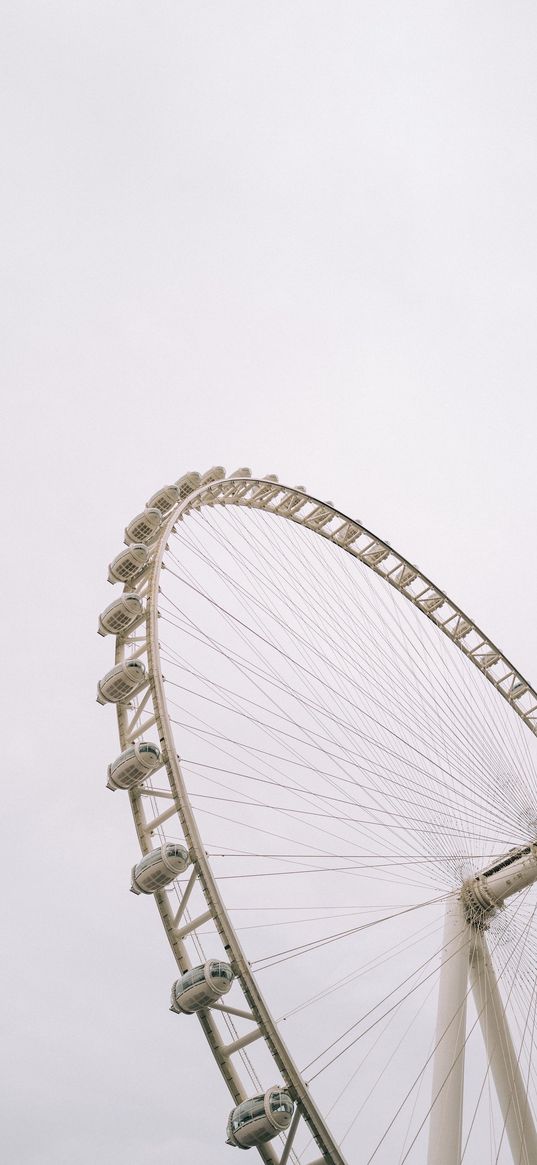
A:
<point x="332" y="775"/>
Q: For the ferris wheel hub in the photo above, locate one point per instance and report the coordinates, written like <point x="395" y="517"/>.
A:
<point x="483" y="895"/>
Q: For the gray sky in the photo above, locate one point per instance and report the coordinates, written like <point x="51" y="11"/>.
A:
<point x="295" y="236"/>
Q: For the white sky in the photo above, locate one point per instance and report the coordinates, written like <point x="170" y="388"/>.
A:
<point x="295" y="236"/>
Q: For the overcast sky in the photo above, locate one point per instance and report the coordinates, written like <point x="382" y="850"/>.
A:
<point x="297" y="236"/>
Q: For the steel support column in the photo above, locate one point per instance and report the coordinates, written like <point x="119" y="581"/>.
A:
<point x="445" y="1127"/>
<point x="501" y="1055"/>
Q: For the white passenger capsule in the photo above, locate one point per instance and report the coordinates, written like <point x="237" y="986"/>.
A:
<point x="121" y="682"/>
<point x="201" y="986"/>
<point x="159" y="868"/>
<point x="164" y="499"/>
<point x="120" y="614"/>
<point x="260" y="1119"/>
<point x="128" y="563"/>
<point x="134" y="765"/>
<point x="215" y="474"/>
<point x="187" y="483"/>
<point x="144" y="527"/>
<point x="240" y="473"/>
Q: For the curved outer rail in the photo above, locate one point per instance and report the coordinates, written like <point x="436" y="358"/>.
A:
<point x="231" y="943"/>
<point x="379" y="556"/>
<point x="295" y="505"/>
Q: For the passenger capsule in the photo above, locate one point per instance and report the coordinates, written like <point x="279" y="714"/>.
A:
<point x="187" y="483"/>
<point x="212" y="475"/>
<point x="134" y="765"/>
<point x="164" y="499"/>
<point x="119" y="684"/>
<point x="159" y="868"/>
<point x="201" y="986"/>
<point x="120" y="614"/>
<point x="128" y="563"/>
<point x="240" y="473"/>
<point x="260" y="1119"/>
<point x="145" y="527"/>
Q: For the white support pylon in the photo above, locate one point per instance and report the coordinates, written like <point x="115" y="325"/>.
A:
<point x="445" y="1125"/>
<point x="501" y="1055"/>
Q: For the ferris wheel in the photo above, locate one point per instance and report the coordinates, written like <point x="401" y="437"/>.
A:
<point x="332" y="774"/>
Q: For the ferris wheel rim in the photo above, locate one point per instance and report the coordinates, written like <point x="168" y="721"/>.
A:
<point x="269" y="1030"/>
<point x="513" y="686"/>
<point x="485" y="657"/>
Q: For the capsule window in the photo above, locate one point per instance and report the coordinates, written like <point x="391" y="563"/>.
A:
<point x="152" y="749"/>
<point x="187" y="483"/>
<point x="127" y="567"/>
<point x="124" y="756"/>
<point x="248" y="1111"/>
<point x="221" y="971"/>
<point x="164" y="499"/>
<point x="190" y="978"/>
<point x="241" y="473"/>
<point x="119" y="620"/>
<point x="145" y="527"/>
<point x="152" y="859"/>
<point x="129" y="563"/>
<point x="135" y="764"/>
<point x="119" y="688"/>
<point x="120" y="615"/>
<point x="213" y="475"/>
<point x="281" y="1103"/>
